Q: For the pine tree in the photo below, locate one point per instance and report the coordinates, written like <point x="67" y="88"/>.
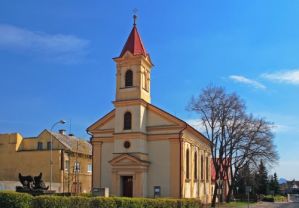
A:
<point x="243" y="179"/>
<point x="261" y="179"/>
<point x="274" y="185"/>
<point x="271" y="185"/>
<point x="276" y="188"/>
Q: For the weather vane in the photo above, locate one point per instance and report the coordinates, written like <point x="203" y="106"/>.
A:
<point x="135" y="15"/>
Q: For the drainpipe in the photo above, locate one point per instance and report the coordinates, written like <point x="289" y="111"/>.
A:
<point x="181" y="141"/>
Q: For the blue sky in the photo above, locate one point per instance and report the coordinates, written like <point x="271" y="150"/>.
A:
<point x="56" y="61"/>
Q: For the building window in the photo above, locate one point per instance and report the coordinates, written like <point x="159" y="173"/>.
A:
<point x="207" y="168"/>
<point x="89" y="168"/>
<point x="201" y="167"/>
<point x="39" y="145"/>
<point x="67" y="166"/>
<point x="77" y="167"/>
<point x="129" y="78"/>
<point x="49" y="145"/>
<point x="127" y="120"/>
<point x="195" y="165"/>
<point x="146" y="81"/>
<point x="187" y="164"/>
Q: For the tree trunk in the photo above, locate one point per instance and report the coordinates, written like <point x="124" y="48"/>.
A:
<point x="214" y="196"/>
<point x="229" y="193"/>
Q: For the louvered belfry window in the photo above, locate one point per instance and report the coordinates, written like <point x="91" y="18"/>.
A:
<point x="129" y="78"/>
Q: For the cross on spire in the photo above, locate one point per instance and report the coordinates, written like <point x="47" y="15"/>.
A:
<point x="134" y="43"/>
<point x="135" y="16"/>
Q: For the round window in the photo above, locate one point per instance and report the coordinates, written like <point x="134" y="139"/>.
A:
<point x="127" y="144"/>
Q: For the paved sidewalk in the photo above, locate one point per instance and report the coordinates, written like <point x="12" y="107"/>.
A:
<point x="275" y="205"/>
<point x="264" y="205"/>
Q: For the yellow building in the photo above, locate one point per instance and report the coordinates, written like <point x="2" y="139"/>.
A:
<point x="30" y="156"/>
<point x="141" y="150"/>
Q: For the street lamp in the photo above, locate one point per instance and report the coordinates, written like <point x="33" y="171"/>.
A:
<point x="51" y="149"/>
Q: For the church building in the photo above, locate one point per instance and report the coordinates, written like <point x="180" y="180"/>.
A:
<point x="140" y="150"/>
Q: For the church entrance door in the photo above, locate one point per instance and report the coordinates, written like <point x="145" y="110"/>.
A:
<point x="127" y="186"/>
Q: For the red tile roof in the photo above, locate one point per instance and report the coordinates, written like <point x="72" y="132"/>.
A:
<point x="134" y="44"/>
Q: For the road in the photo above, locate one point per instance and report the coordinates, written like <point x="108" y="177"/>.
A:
<point x="275" y="205"/>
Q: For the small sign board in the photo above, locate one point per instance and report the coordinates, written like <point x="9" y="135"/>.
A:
<point x="157" y="191"/>
<point x="100" y="192"/>
<point x="248" y="189"/>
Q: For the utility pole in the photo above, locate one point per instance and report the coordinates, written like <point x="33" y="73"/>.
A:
<point x="51" y="151"/>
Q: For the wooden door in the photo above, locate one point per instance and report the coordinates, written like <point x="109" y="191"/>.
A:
<point x="127" y="186"/>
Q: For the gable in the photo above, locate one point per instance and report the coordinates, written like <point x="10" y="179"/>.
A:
<point x="109" y="124"/>
<point x="127" y="160"/>
<point x="45" y="136"/>
<point x="158" y="117"/>
<point x="106" y="122"/>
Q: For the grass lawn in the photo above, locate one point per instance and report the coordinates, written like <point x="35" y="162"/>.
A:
<point x="234" y="205"/>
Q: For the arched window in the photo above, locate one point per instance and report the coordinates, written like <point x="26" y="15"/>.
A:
<point x="127" y="120"/>
<point x="195" y="165"/>
<point x="207" y="168"/>
<point x="187" y="165"/>
<point x="129" y="79"/>
<point x="201" y="167"/>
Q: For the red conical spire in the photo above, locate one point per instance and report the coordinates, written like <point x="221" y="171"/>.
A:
<point x="134" y="43"/>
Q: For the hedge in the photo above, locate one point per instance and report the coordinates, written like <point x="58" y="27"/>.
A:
<point x="11" y="199"/>
<point x="22" y="200"/>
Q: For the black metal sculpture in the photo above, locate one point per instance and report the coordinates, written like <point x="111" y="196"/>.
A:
<point x="26" y="181"/>
<point x="39" y="183"/>
<point x="33" y="185"/>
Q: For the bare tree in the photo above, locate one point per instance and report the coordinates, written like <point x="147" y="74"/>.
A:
<point x="238" y="138"/>
<point x="250" y="142"/>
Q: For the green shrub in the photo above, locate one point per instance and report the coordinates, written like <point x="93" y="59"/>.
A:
<point x="280" y="198"/>
<point x="79" y="202"/>
<point x="271" y="198"/>
<point x="51" y="202"/>
<point x="190" y="203"/>
<point x="11" y="199"/>
<point x="122" y="202"/>
<point x="101" y="202"/>
<point x="161" y="203"/>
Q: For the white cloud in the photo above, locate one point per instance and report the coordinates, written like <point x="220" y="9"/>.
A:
<point x="288" y="76"/>
<point x="57" y="46"/>
<point x="281" y="128"/>
<point x="244" y="80"/>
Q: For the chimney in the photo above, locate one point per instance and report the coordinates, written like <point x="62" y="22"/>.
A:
<point x="62" y="131"/>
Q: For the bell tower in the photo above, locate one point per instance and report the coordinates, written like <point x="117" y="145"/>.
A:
<point x="133" y="67"/>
